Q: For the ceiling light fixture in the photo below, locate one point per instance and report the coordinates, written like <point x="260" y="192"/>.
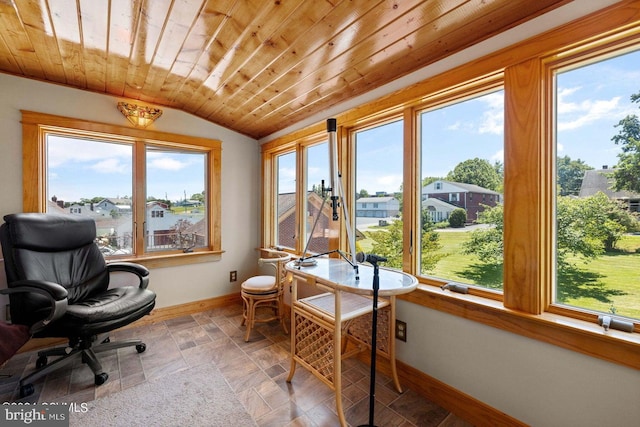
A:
<point x="139" y="115"/>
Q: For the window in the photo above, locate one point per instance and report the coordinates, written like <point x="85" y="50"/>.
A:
<point x="597" y="244"/>
<point x="379" y="157"/>
<point x="320" y="227"/>
<point x="470" y="159"/>
<point x="286" y="208"/>
<point x="95" y="170"/>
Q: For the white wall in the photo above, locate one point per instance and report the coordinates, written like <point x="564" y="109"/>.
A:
<point x="240" y="181"/>
<point x="537" y="383"/>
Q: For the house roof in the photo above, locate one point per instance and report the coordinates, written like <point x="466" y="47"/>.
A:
<point x="118" y="201"/>
<point x="254" y="67"/>
<point x="438" y="204"/>
<point x="469" y="188"/>
<point x="601" y="180"/>
<point x="375" y="199"/>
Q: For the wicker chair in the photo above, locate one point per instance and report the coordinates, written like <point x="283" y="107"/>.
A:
<point x="265" y="292"/>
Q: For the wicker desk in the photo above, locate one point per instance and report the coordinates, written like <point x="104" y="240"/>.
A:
<point x="321" y="323"/>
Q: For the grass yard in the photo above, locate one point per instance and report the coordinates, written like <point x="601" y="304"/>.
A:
<point x="609" y="283"/>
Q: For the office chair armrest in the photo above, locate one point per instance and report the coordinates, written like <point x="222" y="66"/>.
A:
<point x="129" y="267"/>
<point x="56" y="294"/>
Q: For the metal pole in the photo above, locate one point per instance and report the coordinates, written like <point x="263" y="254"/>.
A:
<point x="374" y="339"/>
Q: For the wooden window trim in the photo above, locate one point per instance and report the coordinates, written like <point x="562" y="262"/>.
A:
<point x="36" y="125"/>
<point x="526" y="310"/>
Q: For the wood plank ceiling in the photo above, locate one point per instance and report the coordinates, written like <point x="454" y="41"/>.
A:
<point x="254" y="66"/>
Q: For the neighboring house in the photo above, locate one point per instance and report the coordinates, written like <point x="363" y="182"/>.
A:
<point x="78" y="209"/>
<point x="377" y="207"/>
<point x="439" y="210"/>
<point x="469" y="197"/>
<point x="161" y="223"/>
<point x="602" y="180"/>
<point x="287" y="222"/>
<point x="324" y="230"/>
<point x="159" y="227"/>
<point x="120" y="205"/>
<point x="54" y="207"/>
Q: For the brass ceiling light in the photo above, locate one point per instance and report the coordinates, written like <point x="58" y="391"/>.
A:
<point x="139" y="115"/>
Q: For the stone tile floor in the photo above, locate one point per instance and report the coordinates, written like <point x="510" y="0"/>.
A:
<point x="256" y="371"/>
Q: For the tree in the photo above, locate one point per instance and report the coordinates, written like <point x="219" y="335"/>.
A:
<point x="585" y="229"/>
<point x="570" y="175"/>
<point x="362" y="193"/>
<point x="487" y="244"/>
<point x="388" y="243"/>
<point x="478" y="172"/>
<point x="198" y="196"/>
<point x="627" y="171"/>
<point x="181" y="237"/>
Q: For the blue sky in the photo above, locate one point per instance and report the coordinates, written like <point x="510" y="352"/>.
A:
<point x="80" y="168"/>
<point x="591" y="100"/>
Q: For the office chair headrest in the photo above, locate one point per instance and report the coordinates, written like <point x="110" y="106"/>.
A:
<point x="49" y="232"/>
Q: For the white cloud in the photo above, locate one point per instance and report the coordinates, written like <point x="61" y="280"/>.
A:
<point x="457" y="125"/>
<point x="111" y="165"/>
<point x="167" y="163"/>
<point x="493" y="117"/>
<point x="576" y="114"/>
<point x="64" y="150"/>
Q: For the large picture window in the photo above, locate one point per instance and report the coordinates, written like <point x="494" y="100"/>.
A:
<point x="597" y="245"/>
<point x="378" y="198"/>
<point x="150" y="195"/>
<point x="461" y="191"/>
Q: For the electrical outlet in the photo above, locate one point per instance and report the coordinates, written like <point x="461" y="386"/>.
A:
<point x="233" y="276"/>
<point x="401" y="330"/>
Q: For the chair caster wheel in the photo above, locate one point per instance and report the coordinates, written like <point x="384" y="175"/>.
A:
<point x="26" y="390"/>
<point x="140" y="348"/>
<point x="101" y="378"/>
<point x="41" y="362"/>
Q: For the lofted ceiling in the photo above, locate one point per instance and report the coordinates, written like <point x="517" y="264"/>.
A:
<point x="254" y="66"/>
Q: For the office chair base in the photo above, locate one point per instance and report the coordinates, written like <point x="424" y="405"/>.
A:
<point x="68" y="354"/>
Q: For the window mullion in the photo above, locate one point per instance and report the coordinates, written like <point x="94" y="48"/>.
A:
<point x="139" y="196"/>
<point x="525" y="198"/>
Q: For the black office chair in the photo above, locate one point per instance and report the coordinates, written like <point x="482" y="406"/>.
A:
<point x="58" y="285"/>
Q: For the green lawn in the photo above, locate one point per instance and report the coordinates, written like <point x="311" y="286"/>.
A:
<point x="611" y="282"/>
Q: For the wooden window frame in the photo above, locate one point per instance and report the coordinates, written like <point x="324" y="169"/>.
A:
<point x="35" y="127"/>
<point x="525" y="308"/>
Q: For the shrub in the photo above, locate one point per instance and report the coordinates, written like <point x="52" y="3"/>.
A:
<point x="457" y="218"/>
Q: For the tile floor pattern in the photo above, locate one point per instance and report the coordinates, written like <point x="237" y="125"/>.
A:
<point x="256" y="371"/>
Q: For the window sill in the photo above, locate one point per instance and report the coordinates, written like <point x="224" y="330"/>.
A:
<point x="171" y="260"/>
<point x="577" y="335"/>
